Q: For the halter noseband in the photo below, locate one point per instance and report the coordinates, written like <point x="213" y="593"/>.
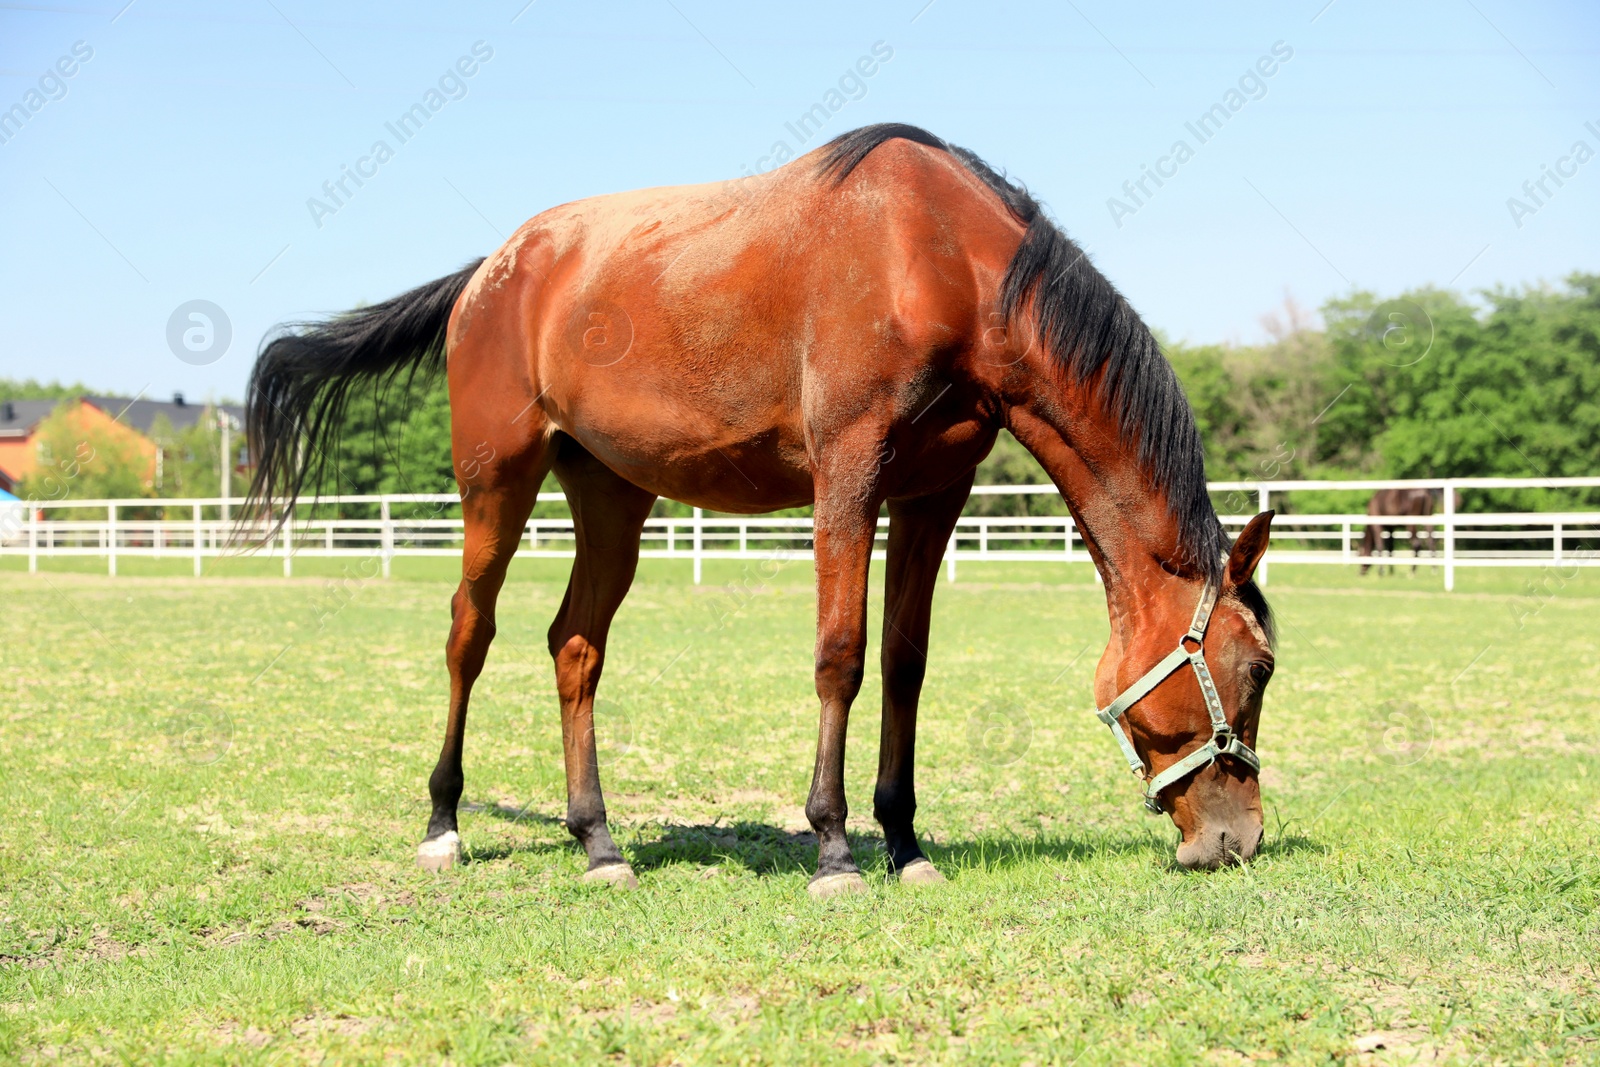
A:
<point x="1224" y="742"/>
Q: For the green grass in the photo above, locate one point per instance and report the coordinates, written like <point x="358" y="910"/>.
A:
<point x="214" y="791"/>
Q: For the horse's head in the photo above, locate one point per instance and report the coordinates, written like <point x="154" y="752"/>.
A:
<point x="1187" y="722"/>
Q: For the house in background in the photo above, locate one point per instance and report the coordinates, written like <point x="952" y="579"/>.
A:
<point x="18" y="450"/>
<point x="131" y="418"/>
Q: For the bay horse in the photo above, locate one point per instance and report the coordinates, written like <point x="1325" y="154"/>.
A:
<point x="1378" y="538"/>
<point x="767" y="343"/>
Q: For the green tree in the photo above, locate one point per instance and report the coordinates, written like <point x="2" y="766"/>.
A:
<point x="1456" y="393"/>
<point x="395" y="440"/>
<point x="28" y="389"/>
<point x="191" y="458"/>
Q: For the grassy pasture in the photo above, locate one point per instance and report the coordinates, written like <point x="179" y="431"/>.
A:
<point x="214" y="790"/>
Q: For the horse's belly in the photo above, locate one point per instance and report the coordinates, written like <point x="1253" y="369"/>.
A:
<point x="744" y="458"/>
<point x="723" y="479"/>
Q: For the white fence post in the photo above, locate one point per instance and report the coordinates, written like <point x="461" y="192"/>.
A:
<point x="698" y="548"/>
<point x="386" y="534"/>
<point x="1556" y="540"/>
<point x="1449" y="536"/>
<point x="199" y="540"/>
<point x="111" y="538"/>
<point x="1265" y="505"/>
<point x="33" y="539"/>
<point x="950" y="558"/>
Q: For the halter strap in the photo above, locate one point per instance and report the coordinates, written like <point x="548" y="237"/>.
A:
<point x="1224" y="742"/>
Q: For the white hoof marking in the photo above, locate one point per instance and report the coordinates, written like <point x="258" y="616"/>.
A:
<point x="920" y="872"/>
<point x="619" y="875"/>
<point x="837" y="885"/>
<point x="440" y="854"/>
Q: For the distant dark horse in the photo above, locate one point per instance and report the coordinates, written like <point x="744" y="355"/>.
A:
<point x="1378" y="538"/>
<point x="764" y="344"/>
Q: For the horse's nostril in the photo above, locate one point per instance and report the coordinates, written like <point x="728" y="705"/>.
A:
<point x="1228" y="848"/>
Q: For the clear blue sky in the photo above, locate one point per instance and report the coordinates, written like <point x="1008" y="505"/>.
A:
<point x="176" y="162"/>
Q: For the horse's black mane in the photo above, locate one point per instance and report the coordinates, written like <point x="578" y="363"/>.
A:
<point x="1092" y="330"/>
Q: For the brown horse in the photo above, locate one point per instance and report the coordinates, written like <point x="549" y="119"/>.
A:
<point x="1378" y="538"/>
<point x="766" y="344"/>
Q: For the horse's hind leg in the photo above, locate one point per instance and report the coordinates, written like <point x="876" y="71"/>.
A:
<point x="608" y="515"/>
<point x="499" y="485"/>
<point x="919" y="530"/>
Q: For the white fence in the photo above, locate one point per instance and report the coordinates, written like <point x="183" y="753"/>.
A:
<point x="1502" y="539"/>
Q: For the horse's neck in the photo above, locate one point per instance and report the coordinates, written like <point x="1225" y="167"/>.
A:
<point x="1128" y="529"/>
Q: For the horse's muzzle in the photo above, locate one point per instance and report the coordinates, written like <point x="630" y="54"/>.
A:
<point x="1220" y="846"/>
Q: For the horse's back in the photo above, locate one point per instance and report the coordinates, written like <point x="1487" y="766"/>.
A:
<point x="1400" y="502"/>
<point x="699" y="338"/>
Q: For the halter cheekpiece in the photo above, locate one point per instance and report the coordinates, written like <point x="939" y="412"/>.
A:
<point x="1224" y="742"/>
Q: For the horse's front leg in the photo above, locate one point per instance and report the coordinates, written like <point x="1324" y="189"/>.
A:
<point x="919" y="531"/>
<point x="845" y="524"/>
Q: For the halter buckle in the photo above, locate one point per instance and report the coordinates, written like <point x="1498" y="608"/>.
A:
<point x="1240" y="751"/>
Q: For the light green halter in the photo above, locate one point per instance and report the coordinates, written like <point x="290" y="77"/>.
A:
<point x="1224" y="742"/>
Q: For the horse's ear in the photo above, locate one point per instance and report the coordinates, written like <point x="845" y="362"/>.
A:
<point x="1249" y="548"/>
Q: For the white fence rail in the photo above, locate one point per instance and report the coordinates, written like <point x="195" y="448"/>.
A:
<point x="1449" y="540"/>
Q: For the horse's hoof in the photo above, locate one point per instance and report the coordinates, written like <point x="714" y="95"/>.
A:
<point x="440" y="853"/>
<point x="920" y="872"/>
<point x="619" y="875"/>
<point x="848" y="883"/>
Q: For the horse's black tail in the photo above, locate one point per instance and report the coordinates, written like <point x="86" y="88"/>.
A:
<point x="304" y="376"/>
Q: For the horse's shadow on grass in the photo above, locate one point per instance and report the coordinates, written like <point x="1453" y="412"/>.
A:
<point x="513" y="815"/>
<point x="1291" y="844"/>
<point x="766" y="849"/>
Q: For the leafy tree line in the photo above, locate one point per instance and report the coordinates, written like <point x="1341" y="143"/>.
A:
<point x="1423" y="385"/>
<point x="29" y="389"/>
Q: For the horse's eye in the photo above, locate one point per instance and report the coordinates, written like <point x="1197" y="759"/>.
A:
<point x="1259" y="673"/>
